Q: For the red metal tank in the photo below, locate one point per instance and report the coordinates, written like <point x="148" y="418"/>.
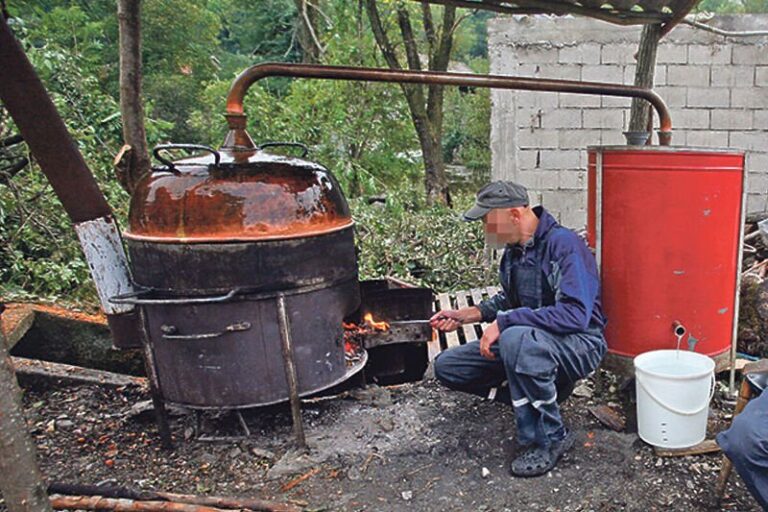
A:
<point x="665" y="223"/>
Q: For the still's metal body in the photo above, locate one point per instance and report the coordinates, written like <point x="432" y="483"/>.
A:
<point x="214" y="240"/>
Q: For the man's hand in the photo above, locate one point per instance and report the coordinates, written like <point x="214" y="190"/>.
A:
<point x="451" y="319"/>
<point x="490" y="336"/>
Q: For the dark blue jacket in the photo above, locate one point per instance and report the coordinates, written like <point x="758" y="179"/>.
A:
<point x="568" y="286"/>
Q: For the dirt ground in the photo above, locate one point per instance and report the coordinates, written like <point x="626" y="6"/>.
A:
<point x="413" y="447"/>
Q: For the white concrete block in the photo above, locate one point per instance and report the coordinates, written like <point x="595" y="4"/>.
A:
<point x="538" y="138"/>
<point x="578" y="100"/>
<point x="586" y="53"/>
<point x="761" y="76"/>
<point x="687" y="75"/>
<point x="732" y="76"/>
<point x="618" y="54"/>
<point x="709" y="54"/>
<point x="562" y="118"/>
<point x="756" y="98"/>
<point x="708" y="97"/>
<point x="671" y="53"/>
<point x="750" y="54"/>
<point x="560" y="159"/>
<point x="603" y="73"/>
<point x="578" y="139"/>
<point x="612" y="118"/>
<point x="757" y="202"/>
<point x="732" y="119"/>
<point x="707" y="138"/>
<point x="697" y="119"/>
<point x="750" y="141"/>
<point x="673" y="96"/>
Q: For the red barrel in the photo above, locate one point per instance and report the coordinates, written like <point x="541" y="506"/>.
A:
<point x="665" y="224"/>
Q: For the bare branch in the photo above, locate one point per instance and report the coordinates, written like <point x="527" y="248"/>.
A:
<point x="381" y="36"/>
<point x="411" y="49"/>
<point x="429" y="28"/>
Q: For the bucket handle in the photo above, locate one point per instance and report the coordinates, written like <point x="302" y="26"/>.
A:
<point x="673" y="409"/>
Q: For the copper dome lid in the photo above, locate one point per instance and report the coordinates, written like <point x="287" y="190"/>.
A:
<point x="236" y="195"/>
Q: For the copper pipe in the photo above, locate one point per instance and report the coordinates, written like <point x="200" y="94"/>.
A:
<point x="236" y="117"/>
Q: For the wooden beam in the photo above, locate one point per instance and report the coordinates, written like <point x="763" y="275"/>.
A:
<point x="36" y="368"/>
<point x="706" y="446"/>
<point x="15" y="321"/>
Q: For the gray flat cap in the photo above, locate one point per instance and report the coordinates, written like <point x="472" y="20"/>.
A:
<point x="498" y="194"/>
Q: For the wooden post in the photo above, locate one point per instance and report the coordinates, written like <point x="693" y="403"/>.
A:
<point x="21" y="482"/>
<point x="646" y="67"/>
<point x="290" y="371"/>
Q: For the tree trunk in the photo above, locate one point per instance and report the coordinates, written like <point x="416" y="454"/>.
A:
<point x="306" y="32"/>
<point x="21" y="482"/>
<point x="425" y="103"/>
<point x="131" y="106"/>
<point x="646" y="66"/>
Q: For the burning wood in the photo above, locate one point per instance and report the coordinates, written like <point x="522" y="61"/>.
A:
<point x="355" y="334"/>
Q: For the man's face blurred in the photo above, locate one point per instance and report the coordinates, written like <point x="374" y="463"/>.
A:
<point x="502" y="227"/>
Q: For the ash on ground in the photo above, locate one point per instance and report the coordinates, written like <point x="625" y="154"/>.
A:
<point x="417" y="447"/>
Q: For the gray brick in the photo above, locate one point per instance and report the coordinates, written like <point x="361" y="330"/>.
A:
<point x="612" y="118"/>
<point x="574" y="219"/>
<point x="756" y="202"/>
<point x="573" y="179"/>
<point x="760" y="120"/>
<point x="548" y="179"/>
<point x="562" y="118"/>
<point x="560" y="159"/>
<point x="709" y="54"/>
<point x="603" y="73"/>
<point x="757" y="182"/>
<point x="537" y="138"/>
<point x="761" y="76"/>
<point x="687" y="75"/>
<point x="673" y="96"/>
<point x="734" y="119"/>
<point x="613" y="136"/>
<point x="756" y="98"/>
<point x="672" y="54"/>
<point x="578" y="100"/>
<point x="757" y="161"/>
<point x="706" y="138"/>
<point x="583" y="53"/>
<point x="709" y="97"/>
<point x="750" y="54"/>
<point x="732" y="76"/>
<point x="528" y="159"/>
<point x="697" y="119"/>
<point x="538" y="99"/>
<point x="615" y="101"/>
<point x="560" y="71"/>
<point x="578" y="139"/>
<point x="538" y="54"/>
<point x="528" y="179"/>
<point x="618" y="54"/>
<point x="755" y="140"/>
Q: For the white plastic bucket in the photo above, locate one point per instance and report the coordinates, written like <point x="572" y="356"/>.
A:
<point x="674" y="388"/>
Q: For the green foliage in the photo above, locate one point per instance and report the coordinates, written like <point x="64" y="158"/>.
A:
<point x="191" y="52"/>
<point x="426" y="245"/>
<point x="732" y="6"/>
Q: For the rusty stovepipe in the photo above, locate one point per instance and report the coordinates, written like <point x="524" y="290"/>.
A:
<point x="23" y="94"/>
<point x="236" y="117"/>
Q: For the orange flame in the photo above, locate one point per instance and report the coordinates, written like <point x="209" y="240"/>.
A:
<point x="379" y="326"/>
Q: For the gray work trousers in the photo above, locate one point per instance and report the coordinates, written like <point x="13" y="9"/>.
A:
<point x="529" y="360"/>
<point x="746" y="444"/>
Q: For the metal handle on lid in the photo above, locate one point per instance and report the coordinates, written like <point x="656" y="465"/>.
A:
<point x="136" y="298"/>
<point x="199" y="147"/>
<point x="299" y="145"/>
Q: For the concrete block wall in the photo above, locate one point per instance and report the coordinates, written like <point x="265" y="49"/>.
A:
<point x="716" y="89"/>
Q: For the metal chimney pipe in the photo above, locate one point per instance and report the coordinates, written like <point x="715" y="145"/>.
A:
<point x="235" y="116"/>
<point x="24" y="95"/>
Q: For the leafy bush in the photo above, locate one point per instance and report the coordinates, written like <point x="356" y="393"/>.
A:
<point x="426" y="245"/>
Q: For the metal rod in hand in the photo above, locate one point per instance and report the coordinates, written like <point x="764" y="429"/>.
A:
<point x="290" y="371"/>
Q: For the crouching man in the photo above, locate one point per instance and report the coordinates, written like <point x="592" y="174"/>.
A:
<point x="546" y="326"/>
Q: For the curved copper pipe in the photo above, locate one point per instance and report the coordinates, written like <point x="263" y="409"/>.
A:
<point x="236" y="117"/>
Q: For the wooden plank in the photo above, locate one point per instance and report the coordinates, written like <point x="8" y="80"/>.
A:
<point x="706" y="446"/>
<point x="15" y="321"/>
<point x="69" y="373"/>
<point x="451" y="338"/>
<point x="477" y="298"/>
<point x="433" y="346"/>
<point x="469" y="329"/>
